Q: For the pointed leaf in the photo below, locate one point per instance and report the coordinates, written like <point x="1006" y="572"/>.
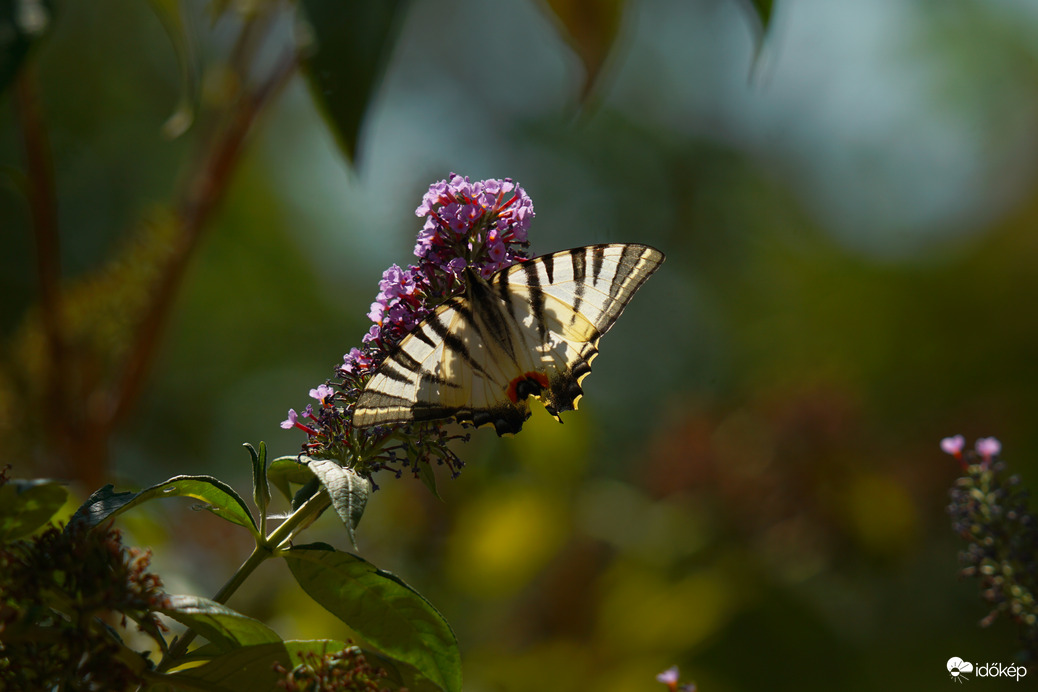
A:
<point x="428" y="477"/>
<point x="260" y="487"/>
<point x="225" y="628"/>
<point x="350" y="45"/>
<point x="219" y="498"/>
<point x="382" y="609"/>
<point x="591" y="27"/>
<point x="21" y="25"/>
<point x="284" y="471"/>
<point x="347" y="489"/>
<point x="26" y="505"/>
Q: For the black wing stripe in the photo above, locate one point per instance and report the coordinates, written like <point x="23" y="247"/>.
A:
<point x="533" y="280"/>
<point x="405" y="360"/>
<point x="396" y="375"/>
<point x="488" y="307"/>
<point x="549" y="267"/>
<point x="455" y="344"/>
<point x="578" y="257"/>
<point x="431" y="378"/>
<point x="420" y="334"/>
<point x="597" y="258"/>
<point x="502" y="292"/>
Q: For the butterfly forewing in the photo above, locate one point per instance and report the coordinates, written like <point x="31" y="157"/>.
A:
<point x="535" y="323"/>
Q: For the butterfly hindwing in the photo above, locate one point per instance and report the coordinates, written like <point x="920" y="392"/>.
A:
<point x="440" y="370"/>
<point x="531" y="330"/>
<point x="573" y="298"/>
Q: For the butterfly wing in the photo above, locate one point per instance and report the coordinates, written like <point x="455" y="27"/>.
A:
<point x="444" y="368"/>
<point x="566" y="301"/>
<point x="532" y="330"/>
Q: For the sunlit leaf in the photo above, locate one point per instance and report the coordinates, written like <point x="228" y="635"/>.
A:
<point x="251" y="667"/>
<point x="350" y="42"/>
<point x="240" y="668"/>
<point x="21" y="24"/>
<point x="382" y="609"/>
<point x="26" y="505"/>
<point x="283" y="472"/>
<point x="171" y="15"/>
<point x="347" y="489"/>
<point x="225" y="628"/>
<point x="591" y="27"/>
<point x="219" y="498"/>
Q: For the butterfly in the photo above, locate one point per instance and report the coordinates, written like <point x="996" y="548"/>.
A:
<point x="530" y="329"/>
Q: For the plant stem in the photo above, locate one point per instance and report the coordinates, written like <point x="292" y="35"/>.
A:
<point x="267" y="548"/>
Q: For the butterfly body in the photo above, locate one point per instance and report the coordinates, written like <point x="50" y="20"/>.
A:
<point x="531" y="329"/>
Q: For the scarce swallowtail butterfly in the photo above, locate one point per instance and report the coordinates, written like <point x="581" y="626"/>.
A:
<point x="531" y="329"/>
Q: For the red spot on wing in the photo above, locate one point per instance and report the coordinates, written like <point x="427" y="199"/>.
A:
<point x="537" y="378"/>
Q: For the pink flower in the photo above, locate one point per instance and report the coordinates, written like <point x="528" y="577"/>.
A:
<point x="669" y="677"/>
<point x="988" y="447"/>
<point x="291" y="421"/>
<point x="322" y="393"/>
<point x="953" y="445"/>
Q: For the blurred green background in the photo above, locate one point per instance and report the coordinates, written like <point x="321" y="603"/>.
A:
<point x="752" y="488"/>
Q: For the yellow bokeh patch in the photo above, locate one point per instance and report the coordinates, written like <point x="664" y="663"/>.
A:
<point x="551" y="449"/>
<point x="643" y="610"/>
<point x="504" y="538"/>
<point x="881" y="515"/>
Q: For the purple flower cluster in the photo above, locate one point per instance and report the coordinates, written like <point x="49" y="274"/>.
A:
<point x="480" y="226"/>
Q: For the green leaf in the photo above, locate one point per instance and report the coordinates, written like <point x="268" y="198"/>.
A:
<point x="285" y="471"/>
<point x="428" y="477"/>
<point x="347" y="489"/>
<point x="21" y="25"/>
<point x="382" y="609"/>
<point x="219" y="498"/>
<point x="260" y="488"/>
<point x="309" y="489"/>
<point x="225" y="628"/>
<point x="26" y="505"/>
<point x="170" y="13"/>
<point x="350" y="42"/>
<point x="591" y="29"/>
